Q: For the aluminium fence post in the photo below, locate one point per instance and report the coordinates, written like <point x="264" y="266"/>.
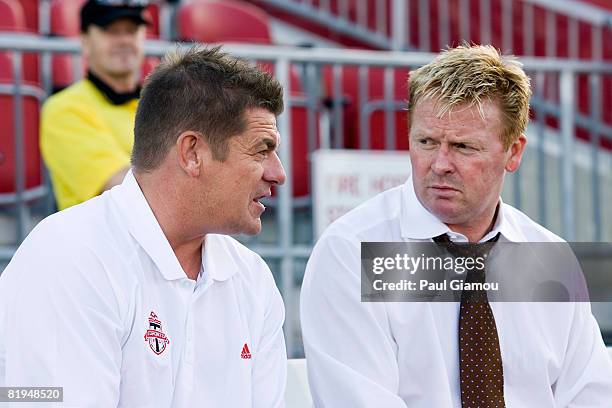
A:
<point x="399" y="34"/>
<point x="285" y="210"/>
<point x="568" y="106"/>
<point x="22" y="213"/>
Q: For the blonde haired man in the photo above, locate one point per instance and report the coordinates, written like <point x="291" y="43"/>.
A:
<point x="469" y="109"/>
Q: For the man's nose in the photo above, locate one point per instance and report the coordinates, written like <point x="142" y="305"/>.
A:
<point x="274" y="172"/>
<point x="442" y="161"/>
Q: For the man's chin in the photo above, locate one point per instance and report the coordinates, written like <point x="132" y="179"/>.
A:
<point x="124" y="71"/>
<point x="253" y="229"/>
<point x="446" y="212"/>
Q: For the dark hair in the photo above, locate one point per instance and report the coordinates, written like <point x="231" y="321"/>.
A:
<point x="203" y="90"/>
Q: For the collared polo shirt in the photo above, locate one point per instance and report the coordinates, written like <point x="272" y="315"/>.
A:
<point x="95" y="301"/>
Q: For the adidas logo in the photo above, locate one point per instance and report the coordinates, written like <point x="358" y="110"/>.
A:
<point x="246" y="354"/>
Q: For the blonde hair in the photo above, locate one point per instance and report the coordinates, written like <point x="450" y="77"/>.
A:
<point x="471" y="74"/>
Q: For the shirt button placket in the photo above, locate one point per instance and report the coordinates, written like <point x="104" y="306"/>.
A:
<point x="188" y="356"/>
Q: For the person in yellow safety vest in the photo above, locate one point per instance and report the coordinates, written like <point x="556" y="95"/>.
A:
<point x="86" y="134"/>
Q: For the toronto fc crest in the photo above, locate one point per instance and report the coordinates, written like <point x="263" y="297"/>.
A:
<point x="155" y="336"/>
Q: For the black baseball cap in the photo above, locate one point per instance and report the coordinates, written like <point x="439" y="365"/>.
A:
<point x="104" y="12"/>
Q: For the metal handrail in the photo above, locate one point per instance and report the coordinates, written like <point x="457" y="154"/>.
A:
<point x="301" y="55"/>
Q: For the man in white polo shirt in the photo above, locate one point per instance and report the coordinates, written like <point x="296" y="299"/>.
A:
<point x="468" y="110"/>
<point x="138" y="298"/>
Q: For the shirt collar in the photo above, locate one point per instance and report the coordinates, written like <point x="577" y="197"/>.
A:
<point x="218" y="259"/>
<point x="145" y="229"/>
<point x="217" y="262"/>
<point x="116" y="98"/>
<point x="417" y="223"/>
<point x="504" y="224"/>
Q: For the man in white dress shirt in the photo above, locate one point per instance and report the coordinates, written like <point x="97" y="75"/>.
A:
<point x="468" y="110"/>
<point x="138" y="298"/>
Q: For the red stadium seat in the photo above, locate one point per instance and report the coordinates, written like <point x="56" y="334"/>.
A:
<point x="223" y="21"/>
<point x="65" y="22"/>
<point x="62" y="68"/>
<point x="30" y="8"/>
<point x="235" y="21"/>
<point x="65" y="17"/>
<point x="6" y="68"/>
<point x="151" y="13"/>
<point x="148" y="65"/>
<point x="32" y="160"/>
<point x="12" y="16"/>
<point x="353" y="109"/>
<point x="33" y="163"/>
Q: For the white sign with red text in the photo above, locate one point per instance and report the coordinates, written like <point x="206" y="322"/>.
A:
<point x="343" y="179"/>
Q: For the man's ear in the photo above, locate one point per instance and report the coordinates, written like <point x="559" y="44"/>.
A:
<point x="192" y="151"/>
<point x="516" y="154"/>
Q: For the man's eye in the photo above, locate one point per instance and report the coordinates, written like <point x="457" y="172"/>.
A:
<point x="426" y="142"/>
<point x="463" y="146"/>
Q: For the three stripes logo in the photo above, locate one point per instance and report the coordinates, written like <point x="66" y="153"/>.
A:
<point x="246" y="353"/>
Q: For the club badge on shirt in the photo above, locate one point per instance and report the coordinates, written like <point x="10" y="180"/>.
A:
<point x="155" y="336"/>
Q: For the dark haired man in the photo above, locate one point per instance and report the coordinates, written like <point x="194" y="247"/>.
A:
<point x="136" y="298"/>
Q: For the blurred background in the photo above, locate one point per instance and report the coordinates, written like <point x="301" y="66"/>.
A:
<point x="344" y="65"/>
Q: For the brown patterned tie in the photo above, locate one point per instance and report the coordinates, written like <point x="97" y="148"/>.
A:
<point x="480" y="364"/>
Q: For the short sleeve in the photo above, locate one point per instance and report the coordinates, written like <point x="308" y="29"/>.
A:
<point x="79" y="150"/>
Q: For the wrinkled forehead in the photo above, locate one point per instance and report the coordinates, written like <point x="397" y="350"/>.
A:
<point x="468" y="119"/>
<point x="260" y="119"/>
<point x="260" y="124"/>
<point x="487" y="108"/>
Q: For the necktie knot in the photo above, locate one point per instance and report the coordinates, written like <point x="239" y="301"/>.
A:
<point x="466" y="250"/>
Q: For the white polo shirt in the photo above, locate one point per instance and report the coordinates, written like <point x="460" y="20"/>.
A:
<point x="398" y="355"/>
<point x="95" y="301"/>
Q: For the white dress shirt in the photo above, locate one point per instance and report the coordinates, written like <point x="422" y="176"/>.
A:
<point x="95" y="301"/>
<point x="400" y="354"/>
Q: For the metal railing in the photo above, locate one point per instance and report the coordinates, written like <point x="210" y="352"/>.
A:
<point x="279" y="243"/>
